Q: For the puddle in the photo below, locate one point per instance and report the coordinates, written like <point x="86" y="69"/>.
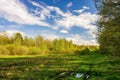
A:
<point x="78" y="75"/>
<point x="87" y="76"/>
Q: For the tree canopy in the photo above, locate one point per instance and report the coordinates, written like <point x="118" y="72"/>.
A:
<point x="109" y="26"/>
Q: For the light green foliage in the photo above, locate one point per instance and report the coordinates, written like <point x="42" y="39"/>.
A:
<point x="93" y="48"/>
<point x="21" y="50"/>
<point x="56" y="44"/>
<point x="11" y="48"/>
<point x="4" y="51"/>
<point x="49" y="44"/>
<point x="18" y="39"/>
<point x="71" y="46"/>
<point x="63" y="45"/>
<point x="38" y="41"/>
<point x="4" y="39"/>
<point x="28" y="42"/>
<point x="34" y="51"/>
<point x="18" y="45"/>
<point x="17" y="50"/>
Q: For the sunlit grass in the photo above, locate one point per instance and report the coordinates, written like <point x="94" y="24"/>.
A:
<point x="20" y="56"/>
<point x="35" y="67"/>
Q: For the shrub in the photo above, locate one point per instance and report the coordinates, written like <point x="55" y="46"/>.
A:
<point x="22" y="50"/>
<point x="45" y="51"/>
<point x="77" y="51"/>
<point x="11" y="48"/>
<point x="4" y="51"/>
<point x="35" y="51"/>
<point x="85" y="51"/>
<point x="18" y="50"/>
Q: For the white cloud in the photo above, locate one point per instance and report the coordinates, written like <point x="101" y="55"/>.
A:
<point x="79" y="40"/>
<point x="85" y="20"/>
<point x="36" y="4"/>
<point x="69" y="4"/>
<point x="15" y="11"/>
<point x="81" y="10"/>
<point x="50" y="36"/>
<point x="12" y="32"/>
<point x="44" y="11"/>
<point x="85" y="7"/>
<point x="64" y="31"/>
<point x="68" y="20"/>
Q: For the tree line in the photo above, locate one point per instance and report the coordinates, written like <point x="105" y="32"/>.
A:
<point x="19" y="45"/>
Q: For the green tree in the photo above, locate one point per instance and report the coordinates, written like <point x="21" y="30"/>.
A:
<point x="48" y="44"/>
<point x="4" y="39"/>
<point x="38" y="41"/>
<point x="62" y="44"/>
<point x="109" y="26"/>
<point x="71" y="46"/>
<point x="56" y="44"/>
<point x="28" y="41"/>
<point x="18" y="39"/>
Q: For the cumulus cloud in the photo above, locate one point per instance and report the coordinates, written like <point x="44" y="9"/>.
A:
<point x="85" y="20"/>
<point x="12" y="32"/>
<point x="79" y="40"/>
<point x="50" y="36"/>
<point x="64" y="31"/>
<point x="42" y="11"/>
<point x="67" y="20"/>
<point x="69" y="4"/>
<point x="47" y="34"/>
<point x="16" y="11"/>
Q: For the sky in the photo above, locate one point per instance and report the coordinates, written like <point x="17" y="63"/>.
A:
<point x="70" y="19"/>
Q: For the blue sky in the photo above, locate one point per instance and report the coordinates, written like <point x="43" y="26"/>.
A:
<point x="70" y="19"/>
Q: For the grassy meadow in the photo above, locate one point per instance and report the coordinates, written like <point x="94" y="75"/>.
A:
<point x="59" y="39"/>
<point x="59" y="67"/>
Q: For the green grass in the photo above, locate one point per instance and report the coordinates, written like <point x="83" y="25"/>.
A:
<point x="59" y="67"/>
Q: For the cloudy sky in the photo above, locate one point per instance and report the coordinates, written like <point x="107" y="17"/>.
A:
<point x="70" y="19"/>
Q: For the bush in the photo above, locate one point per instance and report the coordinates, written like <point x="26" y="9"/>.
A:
<point x="67" y="52"/>
<point x="18" y="50"/>
<point x="22" y="50"/>
<point x="77" y="51"/>
<point x="11" y="48"/>
<point x="85" y="51"/>
<point x="35" y="51"/>
<point x="4" y="51"/>
<point x="46" y="51"/>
